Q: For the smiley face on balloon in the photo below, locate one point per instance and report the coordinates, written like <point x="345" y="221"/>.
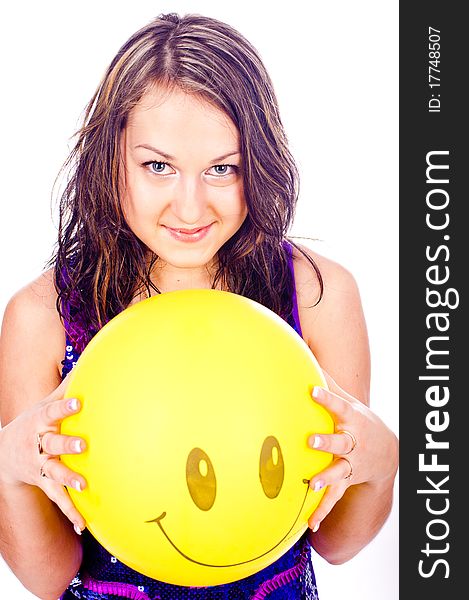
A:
<point x="196" y="408"/>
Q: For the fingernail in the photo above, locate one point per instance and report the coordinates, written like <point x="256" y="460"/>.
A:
<point x="76" y="445"/>
<point x="77" y="529"/>
<point x="317" y="442"/>
<point x="316" y="391"/>
<point x="76" y="485"/>
<point x="316" y="527"/>
<point x="318" y="485"/>
<point x="72" y="404"/>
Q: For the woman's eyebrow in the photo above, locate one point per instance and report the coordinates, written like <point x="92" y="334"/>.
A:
<point x="220" y="158"/>
<point x="170" y="157"/>
<point x="156" y="150"/>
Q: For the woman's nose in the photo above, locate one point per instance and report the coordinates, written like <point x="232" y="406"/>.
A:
<point x="189" y="201"/>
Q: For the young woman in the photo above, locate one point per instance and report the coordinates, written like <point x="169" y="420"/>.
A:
<point x="181" y="178"/>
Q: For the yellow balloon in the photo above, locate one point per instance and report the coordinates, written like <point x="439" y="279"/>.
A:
<point x="196" y="409"/>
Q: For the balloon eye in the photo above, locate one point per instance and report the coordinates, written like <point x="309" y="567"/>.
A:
<point x="200" y="477"/>
<point x="271" y="467"/>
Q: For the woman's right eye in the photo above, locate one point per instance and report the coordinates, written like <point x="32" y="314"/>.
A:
<point x="157" y="166"/>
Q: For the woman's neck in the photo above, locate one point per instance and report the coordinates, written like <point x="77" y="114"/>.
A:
<point x="168" y="278"/>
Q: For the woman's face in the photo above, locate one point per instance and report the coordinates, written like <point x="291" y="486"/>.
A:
<point x="183" y="192"/>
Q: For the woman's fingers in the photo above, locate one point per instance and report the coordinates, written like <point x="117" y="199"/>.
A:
<point x="57" y="410"/>
<point x="33" y="445"/>
<point x="335" y="388"/>
<point x="331" y="496"/>
<point x="339" y="471"/>
<point x="52" y="469"/>
<point x="339" y="408"/>
<point x="52" y="474"/>
<point x="341" y="442"/>
<point x="57" y="493"/>
<point x="337" y="479"/>
<point x="60" y="390"/>
<point x="56" y="444"/>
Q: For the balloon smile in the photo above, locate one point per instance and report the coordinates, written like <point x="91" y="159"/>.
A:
<point x="163" y="515"/>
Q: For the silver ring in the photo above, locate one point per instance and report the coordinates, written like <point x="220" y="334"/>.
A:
<point x="39" y="437"/>
<point x="41" y="470"/>
<point x="349" y="476"/>
<point x="351" y="436"/>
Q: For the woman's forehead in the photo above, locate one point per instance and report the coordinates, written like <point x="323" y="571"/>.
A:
<point x="172" y="116"/>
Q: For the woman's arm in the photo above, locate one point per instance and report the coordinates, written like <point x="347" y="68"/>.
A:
<point x="353" y="510"/>
<point x="37" y="539"/>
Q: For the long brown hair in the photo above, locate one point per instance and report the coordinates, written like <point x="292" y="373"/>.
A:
<point x="100" y="265"/>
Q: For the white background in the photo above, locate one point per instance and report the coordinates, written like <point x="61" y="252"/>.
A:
<point x="335" y="70"/>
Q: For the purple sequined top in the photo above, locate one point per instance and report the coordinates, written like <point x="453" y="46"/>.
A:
<point x="103" y="577"/>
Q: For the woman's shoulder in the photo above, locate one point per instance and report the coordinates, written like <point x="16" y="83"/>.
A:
<point x="31" y="322"/>
<point x="333" y="323"/>
<point x="337" y="280"/>
<point x="35" y="300"/>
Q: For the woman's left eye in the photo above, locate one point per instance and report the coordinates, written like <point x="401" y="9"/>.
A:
<point x="221" y="170"/>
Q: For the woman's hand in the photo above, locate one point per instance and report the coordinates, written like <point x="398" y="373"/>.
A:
<point x="365" y="450"/>
<point x="31" y="446"/>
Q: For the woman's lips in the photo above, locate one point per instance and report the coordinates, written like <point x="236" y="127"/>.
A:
<point x="188" y="235"/>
